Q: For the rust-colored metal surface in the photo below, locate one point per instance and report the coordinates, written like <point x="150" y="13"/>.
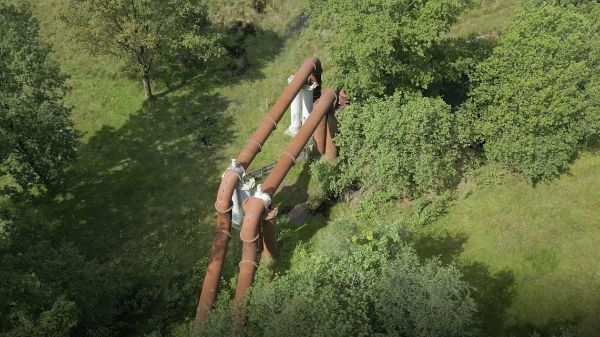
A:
<point x="311" y="68"/>
<point x="269" y="234"/>
<point x="254" y="207"/>
<point x="268" y="124"/>
<point x="320" y="137"/>
<point x="331" y="151"/>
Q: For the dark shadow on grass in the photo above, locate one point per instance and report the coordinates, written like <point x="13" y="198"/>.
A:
<point x="134" y="201"/>
<point x="246" y="49"/>
<point x="493" y="292"/>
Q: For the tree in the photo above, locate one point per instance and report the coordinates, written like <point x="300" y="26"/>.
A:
<point x="376" y="287"/>
<point x="402" y="145"/>
<point x="37" y="138"/>
<point x="535" y="101"/>
<point x="140" y="31"/>
<point x="378" y="46"/>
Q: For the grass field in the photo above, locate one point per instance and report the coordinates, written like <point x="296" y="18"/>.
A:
<point x="487" y="16"/>
<point x="144" y="185"/>
<point x="531" y="252"/>
<point x="142" y="191"/>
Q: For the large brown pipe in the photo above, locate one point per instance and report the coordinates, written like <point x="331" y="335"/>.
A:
<point x="268" y="124"/>
<point x="254" y="207"/>
<point x="331" y="151"/>
<point x="269" y="235"/>
<point x="311" y="66"/>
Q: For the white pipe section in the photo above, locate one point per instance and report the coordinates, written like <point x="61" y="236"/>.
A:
<point x="296" y="112"/>
<point x="243" y="191"/>
<point x="307" y="100"/>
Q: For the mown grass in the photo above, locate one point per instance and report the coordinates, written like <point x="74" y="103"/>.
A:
<point x="487" y="16"/>
<point x="545" y="237"/>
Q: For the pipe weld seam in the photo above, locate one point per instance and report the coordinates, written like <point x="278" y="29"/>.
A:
<point x="255" y="142"/>
<point x="223" y="210"/>
<point x="272" y="121"/>
<point x="289" y="155"/>
<point x="248" y="261"/>
<point x="248" y="241"/>
<point x="224" y="232"/>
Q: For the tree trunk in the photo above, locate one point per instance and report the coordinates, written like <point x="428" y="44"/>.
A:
<point x="146" y="84"/>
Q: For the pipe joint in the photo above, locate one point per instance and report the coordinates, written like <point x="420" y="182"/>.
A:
<point x="236" y="167"/>
<point x="264" y="197"/>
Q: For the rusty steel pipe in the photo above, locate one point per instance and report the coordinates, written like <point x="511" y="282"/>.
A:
<point x="310" y="69"/>
<point x="269" y="235"/>
<point x="288" y="157"/>
<point x="320" y="137"/>
<point x="331" y="151"/>
<point x="255" y="207"/>
<point x="218" y="251"/>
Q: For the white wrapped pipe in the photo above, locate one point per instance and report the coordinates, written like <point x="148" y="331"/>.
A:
<point x="296" y="112"/>
<point x="307" y="100"/>
<point x="243" y="190"/>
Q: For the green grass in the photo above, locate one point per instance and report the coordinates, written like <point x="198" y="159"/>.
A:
<point x="540" y="243"/>
<point x="143" y="188"/>
<point x="487" y="16"/>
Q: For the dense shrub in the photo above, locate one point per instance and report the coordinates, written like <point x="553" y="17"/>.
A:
<point x="537" y="98"/>
<point x="402" y="145"/>
<point x="378" y="46"/>
<point x="378" y="287"/>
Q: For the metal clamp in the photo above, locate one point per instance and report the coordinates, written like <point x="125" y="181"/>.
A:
<point x="248" y="261"/>
<point x="289" y="155"/>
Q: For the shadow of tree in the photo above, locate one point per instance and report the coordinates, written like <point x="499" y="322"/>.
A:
<point x="493" y="292"/>
<point x="134" y="199"/>
<point x="246" y="51"/>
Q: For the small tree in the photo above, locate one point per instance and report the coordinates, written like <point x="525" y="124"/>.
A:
<point x="380" y="45"/>
<point x="139" y="31"/>
<point x="37" y="138"/>
<point x="398" y="146"/>
<point x="536" y="100"/>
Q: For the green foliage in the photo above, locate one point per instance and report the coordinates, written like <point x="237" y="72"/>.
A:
<point x="37" y="138"/>
<point x="378" y="46"/>
<point x="323" y="173"/>
<point x="403" y="145"/>
<point x="536" y="99"/>
<point x="141" y="31"/>
<point x="376" y="288"/>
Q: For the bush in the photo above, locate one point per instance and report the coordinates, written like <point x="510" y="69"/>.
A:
<point x="400" y="146"/>
<point x="378" y="288"/>
<point x="536" y="99"/>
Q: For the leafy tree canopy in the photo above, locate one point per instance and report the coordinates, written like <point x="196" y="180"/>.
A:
<point x="37" y="138"/>
<point x="378" y="46"/>
<point x="402" y="145"/>
<point x="536" y="100"/>
<point x="140" y="31"/>
<point x="377" y="287"/>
